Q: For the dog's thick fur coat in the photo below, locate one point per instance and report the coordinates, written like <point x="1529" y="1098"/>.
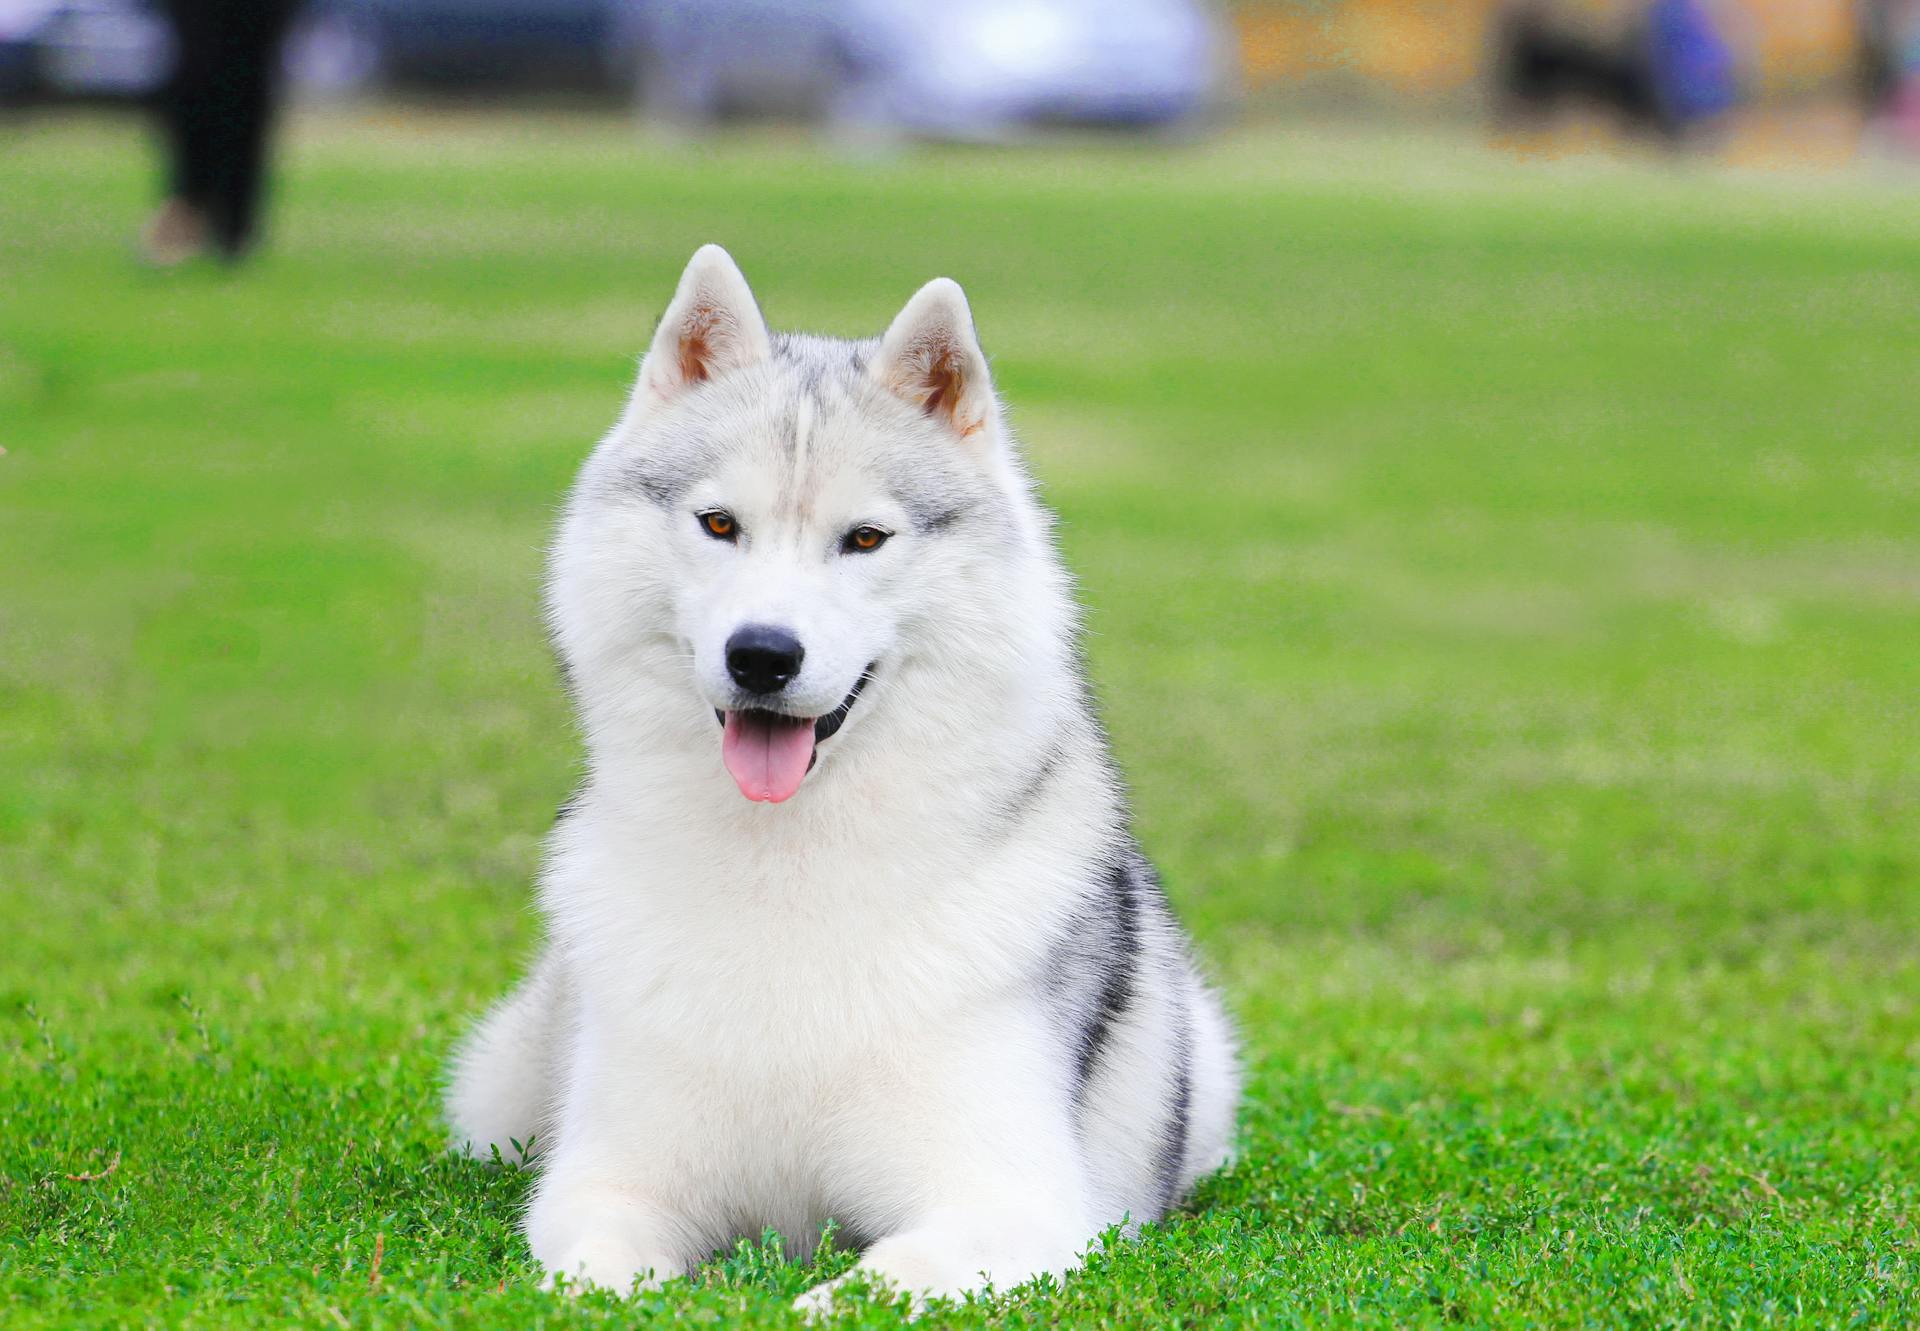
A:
<point x="932" y="991"/>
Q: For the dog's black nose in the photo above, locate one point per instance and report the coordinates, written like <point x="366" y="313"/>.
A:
<point x="763" y="659"/>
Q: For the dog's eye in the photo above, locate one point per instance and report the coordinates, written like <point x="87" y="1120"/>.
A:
<point x="862" y="539"/>
<point x="719" y="524"/>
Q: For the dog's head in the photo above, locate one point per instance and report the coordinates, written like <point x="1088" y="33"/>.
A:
<point x="780" y="523"/>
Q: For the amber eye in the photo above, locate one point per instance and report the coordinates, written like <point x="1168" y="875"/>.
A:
<point x="862" y="539"/>
<point x="719" y="524"/>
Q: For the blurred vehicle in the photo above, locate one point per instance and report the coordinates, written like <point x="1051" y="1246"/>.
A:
<point x="967" y="69"/>
<point x="56" y="50"/>
<point x="477" y="46"/>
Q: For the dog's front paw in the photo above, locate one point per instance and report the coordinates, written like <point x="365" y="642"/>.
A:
<point x="603" y="1263"/>
<point x="598" y="1236"/>
<point x="818" y="1301"/>
<point x="823" y="1300"/>
<point x="908" y="1269"/>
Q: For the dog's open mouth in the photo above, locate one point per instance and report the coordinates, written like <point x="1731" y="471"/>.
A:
<point x="769" y="754"/>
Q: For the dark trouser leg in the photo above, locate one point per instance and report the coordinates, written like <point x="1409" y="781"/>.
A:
<point x="184" y="103"/>
<point x="247" y="88"/>
<point x="221" y="109"/>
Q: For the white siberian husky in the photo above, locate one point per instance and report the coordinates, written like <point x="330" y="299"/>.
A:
<point x="846" y="921"/>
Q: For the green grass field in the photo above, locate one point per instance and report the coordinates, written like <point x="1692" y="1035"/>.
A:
<point x="1505" y="593"/>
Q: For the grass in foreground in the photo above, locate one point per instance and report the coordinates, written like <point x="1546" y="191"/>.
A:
<point x="1506" y="597"/>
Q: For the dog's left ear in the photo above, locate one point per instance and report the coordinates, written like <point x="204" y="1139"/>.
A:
<point x="931" y="358"/>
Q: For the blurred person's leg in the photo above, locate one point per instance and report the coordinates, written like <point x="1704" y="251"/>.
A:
<point x="1874" y="68"/>
<point x="1523" y="73"/>
<point x="179" y="230"/>
<point x="245" y="96"/>
<point x="218" y="111"/>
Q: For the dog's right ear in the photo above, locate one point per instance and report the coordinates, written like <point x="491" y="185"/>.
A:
<point x="713" y="325"/>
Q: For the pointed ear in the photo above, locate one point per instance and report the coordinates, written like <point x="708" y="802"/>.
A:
<point x="712" y="326"/>
<point x="931" y="358"/>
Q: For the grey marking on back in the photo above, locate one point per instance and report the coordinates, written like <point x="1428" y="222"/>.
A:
<point x="1114" y="938"/>
<point x="1172" y="1156"/>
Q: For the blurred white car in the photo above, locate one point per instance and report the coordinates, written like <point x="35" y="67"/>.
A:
<point x="66" y="49"/>
<point x="967" y="69"/>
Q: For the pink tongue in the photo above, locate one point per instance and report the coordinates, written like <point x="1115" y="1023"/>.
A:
<point x="768" y="755"/>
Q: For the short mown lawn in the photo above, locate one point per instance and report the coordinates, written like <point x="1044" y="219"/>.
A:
<point x="1505" y="596"/>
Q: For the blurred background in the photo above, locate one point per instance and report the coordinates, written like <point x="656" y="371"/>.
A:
<point x="1484" y="434"/>
<point x="1768" y="77"/>
<point x="1749" y="82"/>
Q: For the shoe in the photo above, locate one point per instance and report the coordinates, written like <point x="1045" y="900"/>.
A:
<point x="174" y="235"/>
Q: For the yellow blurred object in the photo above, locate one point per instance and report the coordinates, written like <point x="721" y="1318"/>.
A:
<point x="1418" y="48"/>
<point x="1822" y="135"/>
<point x="1413" y="46"/>
<point x="1801" y="44"/>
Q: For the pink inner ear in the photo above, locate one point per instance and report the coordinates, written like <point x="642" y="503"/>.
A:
<point x="696" y="343"/>
<point x="938" y="382"/>
<point x="941" y="380"/>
